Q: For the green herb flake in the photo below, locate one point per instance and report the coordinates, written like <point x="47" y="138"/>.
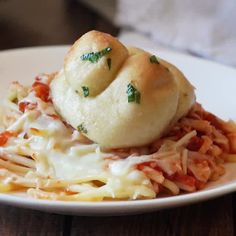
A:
<point x="85" y="91"/>
<point x="15" y="100"/>
<point x="153" y="59"/>
<point x="95" y="56"/>
<point x="109" y="63"/>
<point x="82" y="129"/>
<point x="133" y="94"/>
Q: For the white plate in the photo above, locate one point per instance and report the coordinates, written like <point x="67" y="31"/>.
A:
<point x="215" y="87"/>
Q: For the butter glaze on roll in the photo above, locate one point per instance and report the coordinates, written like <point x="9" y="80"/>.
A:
<point x="105" y="115"/>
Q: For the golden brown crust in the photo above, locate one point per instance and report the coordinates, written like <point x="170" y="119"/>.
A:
<point x="109" y="118"/>
<point x="98" y="75"/>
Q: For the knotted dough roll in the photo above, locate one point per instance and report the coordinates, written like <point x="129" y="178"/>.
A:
<point x="119" y="96"/>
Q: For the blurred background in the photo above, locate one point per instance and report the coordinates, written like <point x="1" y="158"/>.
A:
<point x="34" y="23"/>
<point x="205" y="28"/>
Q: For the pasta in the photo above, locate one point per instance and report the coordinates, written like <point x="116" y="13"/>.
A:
<point x="45" y="157"/>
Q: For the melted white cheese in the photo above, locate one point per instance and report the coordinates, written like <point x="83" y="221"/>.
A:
<point x="58" y="154"/>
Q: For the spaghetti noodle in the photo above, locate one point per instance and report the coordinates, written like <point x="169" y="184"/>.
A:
<point x="48" y="159"/>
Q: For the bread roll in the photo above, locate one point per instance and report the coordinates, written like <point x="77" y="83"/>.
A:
<point x="121" y="97"/>
<point x="186" y="91"/>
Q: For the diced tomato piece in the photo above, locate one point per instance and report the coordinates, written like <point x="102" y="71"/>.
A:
<point x="22" y="106"/>
<point x="195" y="143"/>
<point x="141" y="166"/>
<point x="185" y="179"/>
<point x="55" y="117"/>
<point x="26" y="105"/>
<point x="4" y="136"/>
<point x="151" y="164"/>
<point x="41" y="90"/>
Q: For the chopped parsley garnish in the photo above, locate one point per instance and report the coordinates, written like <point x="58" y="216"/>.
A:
<point x="85" y="91"/>
<point x="82" y="129"/>
<point x="133" y="94"/>
<point x="95" y="56"/>
<point x="153" y="59"/>
<point x="14" y="100"/>
<point x="109" y="63"/>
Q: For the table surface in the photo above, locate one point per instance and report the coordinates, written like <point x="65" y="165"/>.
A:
<point x="32" y="23"/>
